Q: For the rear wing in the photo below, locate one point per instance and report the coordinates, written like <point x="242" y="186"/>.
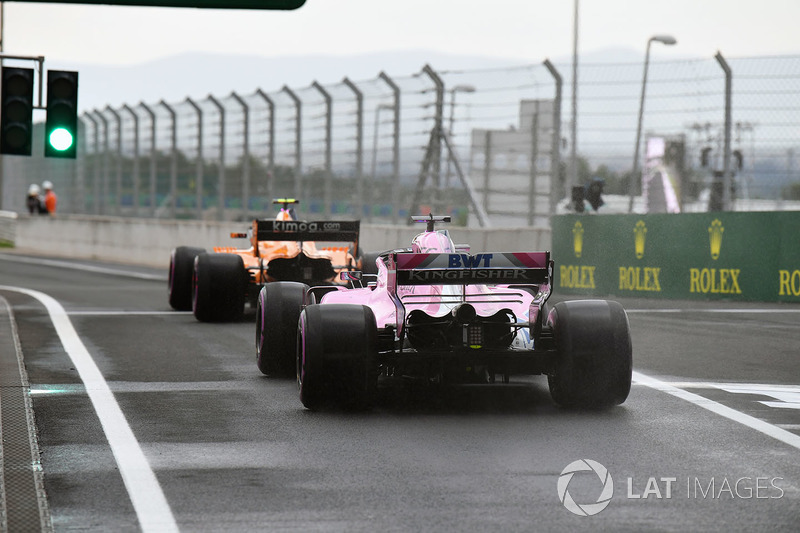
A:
<point x="520" y="268"/>
<point x="509" y="268"/>
<point x="300" y="230"/>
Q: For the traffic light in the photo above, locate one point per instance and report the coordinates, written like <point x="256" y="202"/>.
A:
<point x="61" y="126"/>
<point x="16" y="114"/>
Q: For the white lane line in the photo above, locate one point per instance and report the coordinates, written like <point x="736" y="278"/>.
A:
<point x="734" y="386"/>
<point x="86" y="268"/>
<point x="775" y="432"/>
<point x="148" y="499"/>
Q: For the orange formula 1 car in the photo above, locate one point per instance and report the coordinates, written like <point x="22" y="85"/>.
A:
<point x="216" y="286"/>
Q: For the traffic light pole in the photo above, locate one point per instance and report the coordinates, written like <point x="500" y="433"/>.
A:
<point x="40" y="69"/>
<point x="40" y="64"/>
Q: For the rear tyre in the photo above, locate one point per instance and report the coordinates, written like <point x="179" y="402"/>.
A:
<point x="368" y="265"/>
<point x="219" y="284"/>
<point x="595" y="357"/>
<point x="179" y="284"/>
<point x="277" y="312"/>
<point x="336" y="356"/>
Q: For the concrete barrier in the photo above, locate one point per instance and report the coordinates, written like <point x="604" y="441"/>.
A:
<point x="8" y="227"/>
<point x="148" y="242"/>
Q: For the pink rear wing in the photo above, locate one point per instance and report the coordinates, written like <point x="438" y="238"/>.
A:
<point x="465" y="269"/>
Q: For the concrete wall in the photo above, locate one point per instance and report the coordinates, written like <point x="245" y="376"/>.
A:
<point x="149" y="242"/>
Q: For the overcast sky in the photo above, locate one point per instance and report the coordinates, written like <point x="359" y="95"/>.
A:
<point x="524" y="30"/>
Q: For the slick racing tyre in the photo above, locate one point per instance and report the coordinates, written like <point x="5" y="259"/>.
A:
<point x="219" y="283"/>
<point x="277" y="313"/>
<point x="336" y="359"/>
<point x="179" y="284"/>
<point x="595" y="361"/>
<point x="368" y="265"/>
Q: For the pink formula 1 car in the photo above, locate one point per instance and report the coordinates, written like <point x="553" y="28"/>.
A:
<point x="437" y="312"/>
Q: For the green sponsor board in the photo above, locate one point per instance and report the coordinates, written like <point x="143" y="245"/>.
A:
<point x="731" y="255"/>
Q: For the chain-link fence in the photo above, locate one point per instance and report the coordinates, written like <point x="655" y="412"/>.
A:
<point x="487" y="146"/>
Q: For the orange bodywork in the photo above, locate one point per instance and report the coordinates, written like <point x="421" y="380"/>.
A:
<point x="256" y="258"/>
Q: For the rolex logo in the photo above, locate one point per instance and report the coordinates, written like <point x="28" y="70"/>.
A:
<point x="639" y="233"/>
<point x="715" y="236"/>
<point x="577" y="238"/>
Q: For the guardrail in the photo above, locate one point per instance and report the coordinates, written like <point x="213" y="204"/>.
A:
<point x="725" y="255"/>
<point x="149" y="241"/>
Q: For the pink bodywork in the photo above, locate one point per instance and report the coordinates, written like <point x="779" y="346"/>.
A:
<point x="435" y="300"/>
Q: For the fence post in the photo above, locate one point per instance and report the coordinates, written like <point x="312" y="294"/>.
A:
<point x="359" y="200"/>
<point x="221" y="174"/>
<point x="438" y="124"/>
<point x="395" y="145"/>
<point x="328" y="130"/>
<point x="533" y="170"/>
<point x="487" y="169"/>
<point x="270" y="143"/>
<point x="118" y="157"/>
<point x="555" y="151"/>
<point x="104" y="120"/>
<point x="198" y="180"/>
<point x="298" y="153"/>
<point x="79" y="189"/>
<point x="245" y="155"/>
<point x="135" y="169"/>
<point x="173" y="159"/>
<point x="153" y="157"/>
<point x="727" y="201"/>
<point x="95" y="167"/>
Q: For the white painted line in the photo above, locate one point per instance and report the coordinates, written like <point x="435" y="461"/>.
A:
<point x="148" y="499"/>
<point x="761" y="388"/>
<point x="85" y="268"/>
<point x="782" y="405"/>
<point x="754" y="423"/>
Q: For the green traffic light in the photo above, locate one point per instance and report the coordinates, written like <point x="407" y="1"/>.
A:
<point x="60" y="139"/>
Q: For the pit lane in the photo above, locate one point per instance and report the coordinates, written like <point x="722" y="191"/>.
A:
<point x="233" y="450"/>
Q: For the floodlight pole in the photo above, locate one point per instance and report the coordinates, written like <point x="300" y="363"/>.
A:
<point x="663" y="39"/>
